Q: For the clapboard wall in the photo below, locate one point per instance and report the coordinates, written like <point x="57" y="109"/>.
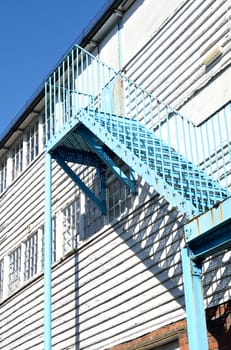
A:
<point x="125" y="280"/>
<point x="170" y="64"/>
<point x="118" y="277"/>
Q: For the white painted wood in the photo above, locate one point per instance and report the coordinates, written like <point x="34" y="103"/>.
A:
<point x="126" y="280"/>
<point x="170" y="65"/>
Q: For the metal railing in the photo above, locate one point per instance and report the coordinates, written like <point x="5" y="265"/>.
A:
<point x="83" y="82"/>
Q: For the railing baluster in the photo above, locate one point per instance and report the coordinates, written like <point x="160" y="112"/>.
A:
<point x="87" y="91"/>
<point x="46" y="113"/>
<point x="220" y="145"/>
<point x="72" y="96"/>
<point x="82" y="77"/>
<point x="63" y="88"/>
<point x="227" y="110"/>
<point x="59" y="90"/>
<point x="68" y="91"/>
<point x="76" y="95"/>
<point x="131" y="114"/>
<point x="216" y="173"/>
<point x="92" y="65"/>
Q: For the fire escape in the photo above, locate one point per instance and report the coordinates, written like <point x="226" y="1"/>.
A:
<point x="95" y="116"/>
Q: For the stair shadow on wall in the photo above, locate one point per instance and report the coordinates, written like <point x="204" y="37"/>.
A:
<point x="147" y="253"/>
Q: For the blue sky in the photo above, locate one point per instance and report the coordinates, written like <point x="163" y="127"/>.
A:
<point x="34" y="35"/>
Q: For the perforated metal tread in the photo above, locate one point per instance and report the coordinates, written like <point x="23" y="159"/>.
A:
<point x="183" y="176"/>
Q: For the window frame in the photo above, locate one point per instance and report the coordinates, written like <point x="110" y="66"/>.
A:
<point x="32" y="142"/>
<point x="119" y="197"/>
<point x="17" y="160"/>
<point x="71" y="225"/>
<point x="15" y="268"/>
<point x="30" y="267"/>
<point x="3" y="175"/>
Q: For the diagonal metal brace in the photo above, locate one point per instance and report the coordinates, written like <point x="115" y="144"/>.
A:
<point x="101" y="204"/>
<point x="102" y="154"/>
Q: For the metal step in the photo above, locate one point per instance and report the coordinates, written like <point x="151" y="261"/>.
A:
<point x="184" y="177"/>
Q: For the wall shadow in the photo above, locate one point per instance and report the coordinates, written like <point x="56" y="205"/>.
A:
<point x="219" y="325"/>
<point x="154" y="233"/>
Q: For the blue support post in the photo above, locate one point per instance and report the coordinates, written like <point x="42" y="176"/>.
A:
<point x="196" y="321"/>
<point x="47" y="252"/>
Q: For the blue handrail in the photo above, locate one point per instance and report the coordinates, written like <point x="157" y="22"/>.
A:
<point x="183" y="154"/>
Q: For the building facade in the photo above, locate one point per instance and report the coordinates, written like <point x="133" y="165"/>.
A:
<point x="128" y="173"/>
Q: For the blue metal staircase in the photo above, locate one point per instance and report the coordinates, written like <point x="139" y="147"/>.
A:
<point x="174" y="176"/>
<point x="95" y="116"/>
<point x="158" y="143"/>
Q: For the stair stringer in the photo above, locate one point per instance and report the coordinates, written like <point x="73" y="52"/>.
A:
<point x="149" y="175"/>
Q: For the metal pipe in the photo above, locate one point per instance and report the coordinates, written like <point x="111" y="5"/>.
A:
<point x="47" y="253"/>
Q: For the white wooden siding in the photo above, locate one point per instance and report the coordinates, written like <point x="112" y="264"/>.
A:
<point x="126" y="280"/>
<point x="170" y="64"/>
<point x="121" y="288"/>
<point x="21" y="319"/>
<point x="109" y="49"/>
<point x="141" y="21"/>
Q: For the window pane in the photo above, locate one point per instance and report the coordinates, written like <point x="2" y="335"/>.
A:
<point x="32" y="143"/>
<point x="31" y="257"/>
<point x="15" y="269"/>
<point x="17" y="160"/>
<point x="170" y="346"/>
<point x="3" y="175"/>
<point x="71" y="224"/>
<point x="119" y="199"/>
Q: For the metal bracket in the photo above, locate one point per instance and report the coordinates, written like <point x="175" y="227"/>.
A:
<point x="210" y="232"/>
<point x="100" y="203"/>
<point x="78" y="156"/>
<point x="106" y="159"/>
<point x="196" y="269"/>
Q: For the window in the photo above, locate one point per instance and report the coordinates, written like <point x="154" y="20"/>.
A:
<point x="49" y="127"/>
<point x="3" y="175"/>
<point x="15" y="269"/>
<point x="43" y="131"/>
<point x="31" y="256"/>
<point x="169" y="346"/>
<point x="17" y="160"/>
<point x="119" y="199"/>
<point x="71" y="225"/>
<point x="1" y="277"/>
<point x="93" y="219"/>
<point x="32" y="142"/>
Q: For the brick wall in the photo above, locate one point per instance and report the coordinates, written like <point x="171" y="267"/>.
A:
<point x="218" y="325"/>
